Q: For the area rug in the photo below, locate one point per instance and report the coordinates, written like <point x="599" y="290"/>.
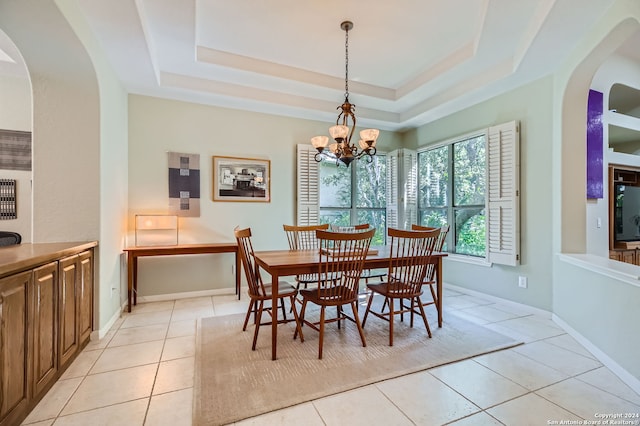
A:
<point x="232" y="382"/>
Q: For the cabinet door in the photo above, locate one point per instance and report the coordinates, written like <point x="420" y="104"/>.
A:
<point x="85" y="302"/>
<point x="45" y="326"/>
<point x="69" y="279"/>
<point x="14" y="338"/>
<point x="629" y="256"/>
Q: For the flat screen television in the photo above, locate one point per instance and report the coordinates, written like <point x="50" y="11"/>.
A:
<point x="627" y="213"/>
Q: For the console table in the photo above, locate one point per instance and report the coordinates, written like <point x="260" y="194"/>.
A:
<point x="133" y="253"/>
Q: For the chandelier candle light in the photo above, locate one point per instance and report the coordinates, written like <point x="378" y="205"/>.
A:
<point x="343" y="150"/>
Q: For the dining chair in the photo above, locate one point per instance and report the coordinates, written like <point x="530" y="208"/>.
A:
<point x="430" y="277"/>
<point x="367" y="274"/>
<point x="304" y="238"/>
<point x="259" y="292"/>
<point x="341" y="256"/>
<point x="410" y="255"/>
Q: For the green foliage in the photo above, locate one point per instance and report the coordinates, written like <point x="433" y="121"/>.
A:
<point x="369" y="197"/>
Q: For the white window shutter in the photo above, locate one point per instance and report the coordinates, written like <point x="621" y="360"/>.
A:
<point x="308" y="177"/>
<point x="410" y="188"/>
<point x="392" y="189"/>
<point x="503" y="177"/>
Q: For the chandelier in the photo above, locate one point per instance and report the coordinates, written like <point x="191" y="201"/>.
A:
<point x="343" y="150"/>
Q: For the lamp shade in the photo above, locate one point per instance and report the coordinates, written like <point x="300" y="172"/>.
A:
<point x="319" y="141"/>
<point x="339" y="132"/>
<point x="370" y="135"/>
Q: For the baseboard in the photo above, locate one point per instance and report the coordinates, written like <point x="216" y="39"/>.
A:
<point x="522" y="306"/>
<point x="99" y="334"/>
<point x="188" y="294"/>
<point x="629" y="379"/>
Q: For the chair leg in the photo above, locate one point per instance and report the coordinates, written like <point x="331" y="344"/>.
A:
<point x="297" y="319"/>
<point x="366" y="312"/>
<point x="354" y="308"/>
<point x="284" y="313"/>
<point x="257" y="326"/>
<point x="249" y="311"/>
<point x="391" y="313"/>
<point x="424" y="317"/>
<point x="435" y="298"/>
<point x="321" y="340"/>
<point x="301" y="317"/>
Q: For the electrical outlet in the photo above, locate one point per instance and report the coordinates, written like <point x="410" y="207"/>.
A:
<point x="522" y="282"/>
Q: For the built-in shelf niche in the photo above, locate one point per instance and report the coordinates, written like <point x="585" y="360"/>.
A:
<point x="623" y="118"/>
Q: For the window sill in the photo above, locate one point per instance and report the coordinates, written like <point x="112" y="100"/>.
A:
<point x="468" y="259"/>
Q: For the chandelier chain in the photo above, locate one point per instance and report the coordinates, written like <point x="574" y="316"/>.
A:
<point x="346" y="63"/>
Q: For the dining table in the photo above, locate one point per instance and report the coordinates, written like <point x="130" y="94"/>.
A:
<point x="283" y="263"/>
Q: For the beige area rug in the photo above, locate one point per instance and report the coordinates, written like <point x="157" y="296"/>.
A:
<point x="232" y="382"/>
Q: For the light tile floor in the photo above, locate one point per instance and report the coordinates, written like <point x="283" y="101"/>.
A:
<point x="141" y="373"/>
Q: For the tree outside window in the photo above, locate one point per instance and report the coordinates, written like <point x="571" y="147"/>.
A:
<point x="354" y="195"/>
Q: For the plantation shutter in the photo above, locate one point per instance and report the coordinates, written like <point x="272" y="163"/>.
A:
<point x="392" y="189"/>
<point x="308" y="194"/>
<point x="410" y="188"/>
<point x="503" y="180"/>
<point x="402" y="188"/>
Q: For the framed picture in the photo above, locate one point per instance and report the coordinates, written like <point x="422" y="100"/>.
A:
<point x="241" y="179"/>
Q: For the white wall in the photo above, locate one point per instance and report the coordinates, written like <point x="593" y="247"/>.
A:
<point x="157" y="126"/>
<point x="113" y="173"/>
<point x="529" y="105"/>
<point x="15" y="114"/>
<point x="65" y="122"/>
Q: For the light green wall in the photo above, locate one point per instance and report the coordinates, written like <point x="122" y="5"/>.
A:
<point x="530" y="106"/>
<point x="157" y="126"/>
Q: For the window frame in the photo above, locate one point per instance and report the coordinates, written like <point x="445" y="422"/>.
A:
<point x="451" y="208"/>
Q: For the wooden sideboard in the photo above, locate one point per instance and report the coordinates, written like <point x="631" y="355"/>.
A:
<point x="46" y="318"/>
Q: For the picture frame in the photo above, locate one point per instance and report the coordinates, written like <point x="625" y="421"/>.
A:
<point x="241" y="179"/>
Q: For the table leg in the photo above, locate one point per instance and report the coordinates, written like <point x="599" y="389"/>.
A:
<point x="439" y="289"/>
<point x="274" y="310"/>
<point x="130" y="273"/>
<point x="238" y="275"/>
<point x="135" y="280"/>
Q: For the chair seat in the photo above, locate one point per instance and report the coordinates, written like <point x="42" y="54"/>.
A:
<point x="284" y="289"/>
<point x="323" y="297"/>
<point x="398" y="290"/>
<point x="314" y="278"/>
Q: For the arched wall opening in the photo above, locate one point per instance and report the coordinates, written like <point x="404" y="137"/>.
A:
<point x="573" y="201"/>
<point x="15" y="134"/>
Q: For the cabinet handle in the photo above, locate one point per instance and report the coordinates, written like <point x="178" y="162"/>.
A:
<point x="1" y="305"/>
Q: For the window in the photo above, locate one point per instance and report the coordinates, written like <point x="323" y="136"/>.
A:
<point x="472" y="184"/>
<point x="451" y="182"/>
<point x="353" y="195"/>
